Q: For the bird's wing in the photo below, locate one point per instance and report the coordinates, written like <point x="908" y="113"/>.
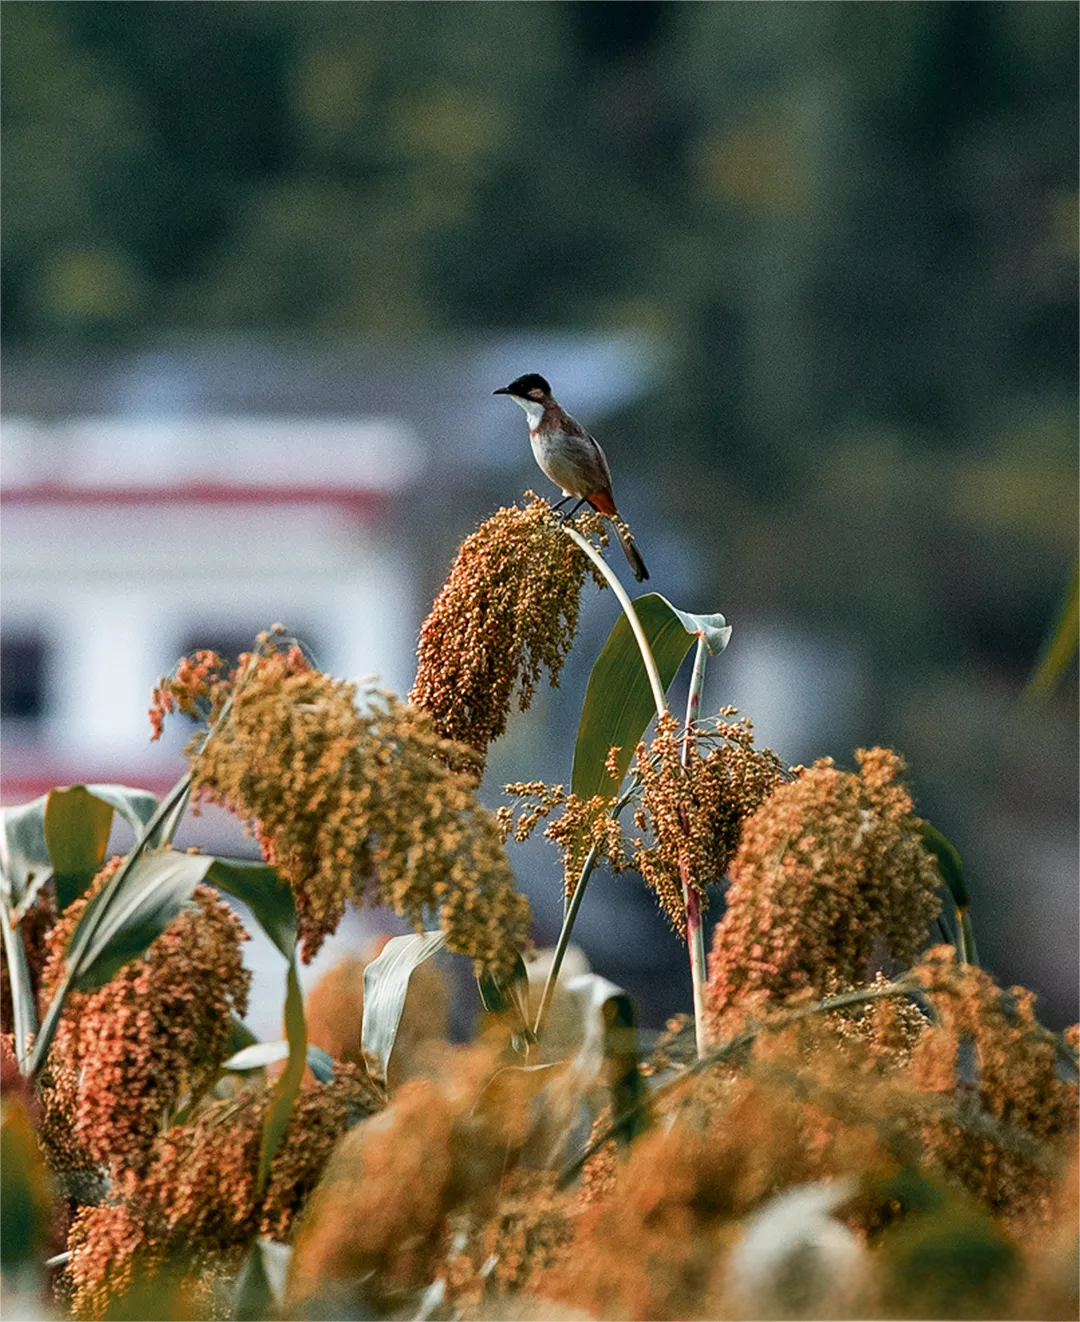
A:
<point x="600" y="457"/>
<point x="599" y="475"/>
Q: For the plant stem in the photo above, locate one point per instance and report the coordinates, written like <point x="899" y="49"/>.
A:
<point x="628" y="610"/>
<point x="563" y="943"/>
<point x="569" y="918"/>
<point x="965" y="938"/>
<point x="23" y="1009"/>
<point x="695" y="931"/>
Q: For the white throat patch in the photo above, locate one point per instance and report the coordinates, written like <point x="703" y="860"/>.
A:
<point x="534" y="410"/>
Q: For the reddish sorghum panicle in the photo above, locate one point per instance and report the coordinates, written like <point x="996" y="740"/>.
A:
<point x="355" y="804"/>
<point x="830" y="874"/>
<point x="124" y="1055"/>
<point x="507" y="612"/>
<point x="196" y="1202"/>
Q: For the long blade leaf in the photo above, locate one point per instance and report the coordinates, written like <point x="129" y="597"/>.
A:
<point x="609" y="1049"/>
<point x="77" y="827"/>
<point x="265" y="894"/>
<point x="951" y="869"/>
<point x="24" y="855"/>
<point x="1060" y="647"/>
<point x="102" y="907"/>
<point x="23" y="1007"/>
<point x="618" y="701"/>
<point x="135" y="806"/>
<point x="260" y="1054"/>
<point x="288" y="1085"/>
<point x="151" y="894"/>
<point x="386" y="984"/>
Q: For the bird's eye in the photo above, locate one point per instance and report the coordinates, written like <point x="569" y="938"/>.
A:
<point x="536" y="393"/>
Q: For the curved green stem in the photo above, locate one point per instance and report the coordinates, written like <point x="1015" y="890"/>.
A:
<point x="628" y="610"/>
<point x="563" y="943"/>
<point x="695" y="930"/>
<point x="569" y="918"/>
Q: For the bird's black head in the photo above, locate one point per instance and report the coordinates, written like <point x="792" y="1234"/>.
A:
<point x="530" y="386"/>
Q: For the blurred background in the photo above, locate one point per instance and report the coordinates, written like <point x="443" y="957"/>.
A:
<point x="808" y="270"/>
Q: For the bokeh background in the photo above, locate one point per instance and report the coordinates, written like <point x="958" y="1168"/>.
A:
<point x="808" y="270"/>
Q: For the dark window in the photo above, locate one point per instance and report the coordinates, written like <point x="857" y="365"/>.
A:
<point x="23" y="661"/>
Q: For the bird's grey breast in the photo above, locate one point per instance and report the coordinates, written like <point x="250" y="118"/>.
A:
<point x="572" y="462"/>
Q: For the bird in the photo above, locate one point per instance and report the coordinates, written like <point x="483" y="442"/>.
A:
<point x="571" y="456"/>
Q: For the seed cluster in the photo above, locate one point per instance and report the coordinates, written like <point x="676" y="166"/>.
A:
<point x="507" y="612"/>
<point x="830" y="874"/>
<point x="986" y="1045"/>
<point x="695" y="812"/>
<point x="125" y="1055"/>
<point x="197" y="1197"/>
<point x="374" y="1220"/>
<point x="583" y="824"/>
<point x="352" y="804"/>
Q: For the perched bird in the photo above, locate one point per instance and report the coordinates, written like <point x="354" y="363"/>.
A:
<point x="570" y="457"/>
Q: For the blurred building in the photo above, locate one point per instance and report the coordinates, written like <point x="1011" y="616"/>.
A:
<point x="129" y="543"/>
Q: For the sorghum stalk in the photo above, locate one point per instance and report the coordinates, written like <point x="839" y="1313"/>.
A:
<point x="570" y="917"/>
<point x="628" y="609"/>
<point x="695" y="931"/>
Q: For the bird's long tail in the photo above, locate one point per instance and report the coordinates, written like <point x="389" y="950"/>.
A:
<point x="603" y="503"/>
<point x="631" y="552"/>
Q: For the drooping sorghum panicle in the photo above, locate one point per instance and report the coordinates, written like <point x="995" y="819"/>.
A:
<point x="354" y="805"/>
<point x="652" y="1242"/>
<point x="583" y="824"/>
<point x="374" y="1220"/>
<point x="696" y="812"/>
<point x="203" y="1179"/>
<point x="648" y="1246"/>
<point x="111" y="1248"/>
<point x="986" y="1044"/>
<point x="197" y="1199"/>
<point x="887" y="1029"/>
<point x="829" y="874"/>
<point x="124" y="1055"/>
<point x="508" y="611"/>
<point x="433" y="844"/>
<point x="1052" y="1287"/>
<point x="494" y="1255"/>
<point x="198" y="689"/>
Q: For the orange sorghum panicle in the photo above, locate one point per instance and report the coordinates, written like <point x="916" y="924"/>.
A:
<point x="110" y="1247"/>
<point x="1009" y="1066"/>
<point x="353" y="804"/>
<point x="374" y="1219"/>
<point x="124" y="1055"/>
<point x="196" y="1201"/>
<point x="696" y="812"/>
<point x="199" y="679"/>
<point x="508" y="611"/>
<point x="583" y="824"/>
<point x="829" y="873"/>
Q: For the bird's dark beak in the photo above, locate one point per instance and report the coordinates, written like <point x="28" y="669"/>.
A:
<point x="502" y="390"/>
